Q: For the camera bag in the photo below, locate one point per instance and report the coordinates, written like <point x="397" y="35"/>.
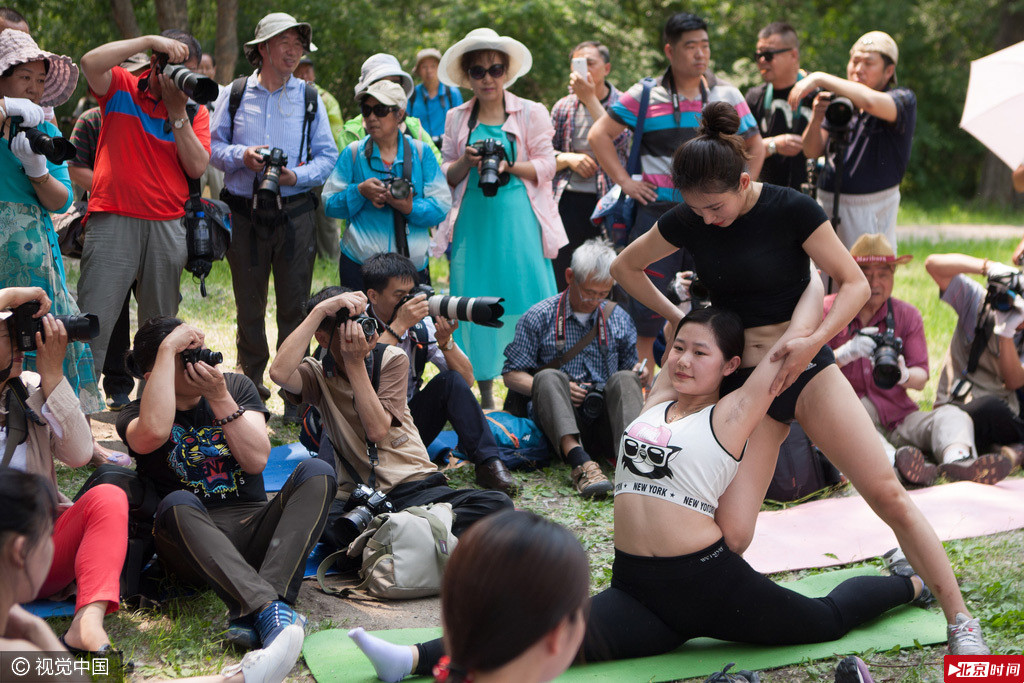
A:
<point x="403" y="554"/>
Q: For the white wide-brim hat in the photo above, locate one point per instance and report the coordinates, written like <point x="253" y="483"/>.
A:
<point x="450" y="72"/>
<point x="17" y="47"/>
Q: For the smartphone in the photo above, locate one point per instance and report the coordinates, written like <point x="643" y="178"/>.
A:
<point x="579" y="65"/>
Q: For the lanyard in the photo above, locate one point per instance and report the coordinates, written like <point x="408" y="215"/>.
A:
<point x="562" y="317"/>
<point x="676" y="107"/>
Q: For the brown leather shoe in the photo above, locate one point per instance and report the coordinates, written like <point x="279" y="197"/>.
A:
<point x="590" y="481"/>
<point x="914" y="467"/>
<point x="985" y="469"/>
<point x="494" y="475"/>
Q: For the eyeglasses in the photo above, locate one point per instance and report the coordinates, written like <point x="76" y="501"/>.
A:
<point x="378" y="110"/>
<point x="477" y="72"/>
<point x="769" y="55"/>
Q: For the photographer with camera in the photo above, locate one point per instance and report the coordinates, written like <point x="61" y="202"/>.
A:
<point x="360" y="390"/>
<point x="272" y="139"/>
<point x="199" y="436"/>
<point x="388" y="186"/>
<point x="872" y="148"/>
<point x="984" y="368"/>
<point x="587" y="385"/>
<point x="404" y="311"/>
<point x="883" y="352"/>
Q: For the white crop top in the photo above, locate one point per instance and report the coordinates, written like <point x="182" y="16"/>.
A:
<point x="681" y="462"/>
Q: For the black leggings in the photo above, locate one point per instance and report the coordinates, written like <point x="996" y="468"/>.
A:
<point x="655" y="604"/>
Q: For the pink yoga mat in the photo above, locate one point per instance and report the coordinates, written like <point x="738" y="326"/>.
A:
<point x="836" y="531"/>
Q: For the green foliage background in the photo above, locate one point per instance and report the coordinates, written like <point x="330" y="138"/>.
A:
<point x="937" y="39"/>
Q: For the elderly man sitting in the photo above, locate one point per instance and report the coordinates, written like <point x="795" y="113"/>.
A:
<point x="388" y="186"/>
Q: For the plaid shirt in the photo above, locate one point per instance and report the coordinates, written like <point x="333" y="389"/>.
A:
<point x="563" y="116"/>
<point x="534" y="343"/>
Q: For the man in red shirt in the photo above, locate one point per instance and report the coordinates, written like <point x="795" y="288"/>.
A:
<point x="149" y="146"/>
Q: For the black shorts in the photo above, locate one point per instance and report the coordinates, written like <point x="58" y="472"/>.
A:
<point x="783" y="407"/>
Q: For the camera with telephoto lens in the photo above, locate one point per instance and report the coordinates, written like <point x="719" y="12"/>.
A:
<point x="22" y="326"/>
<point x="492" y="153"/>
<point x="593" y="403"/>
<point x="268" y="189"/>
<point x="839" y="113"/>
<point x="370" y="325"/>
<point x="1003" y="289"/>
<point x="362" y="506"/>
<point x="56" y="150"/>
<point x="885" y="358"/>
<point x="201" y="89"/>
<point x="482" y="310"/>
<point x="399" y="187"/>
<point x="205" y="355"/>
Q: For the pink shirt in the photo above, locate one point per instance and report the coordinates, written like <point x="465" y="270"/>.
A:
<point x="530" y="123"/>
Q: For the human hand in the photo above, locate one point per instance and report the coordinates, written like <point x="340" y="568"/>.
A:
<point x="582" y="165"/>
<point x="411" y="312"/>
<point x="15" y="296"/>
<point x="31" y="113"/>
<point x="821" y="102"/>
<point x="797" y="353"/>
<point x="176" y="51"/>
<point x="644" y="371"/>
<point x="800" y="89"/>
<point x="353" y="343"/>
<point x="681" y="286"/>
<point x="23" y="625"/>
<point x="173" y="98"/>
<point x="207" y="379"/>
<point x="582" y="86"/>
<point x="51" y="347"/>
<point x="403" y="206"/>
<point x="577" y="392"/>
<point x="355" y="302"/>
<point x="443" y="330"/>
<point x="1007" y="322"/>
<point x="859" y="346"/>
<point x="34" y="164"/>
<point x="252" y="158"/>
<point x="182" y="337"/>
<point x="640" y="190"/>
<point x="373" y="189"/>
<point x="471" y="157"/>
<point x="788" y="144"/>
<point x="995" y="269"/>
<point x="901" y="363"/>
<point x="288" y="177"/>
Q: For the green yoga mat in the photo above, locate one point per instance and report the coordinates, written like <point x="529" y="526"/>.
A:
<point x="333" y="657"/>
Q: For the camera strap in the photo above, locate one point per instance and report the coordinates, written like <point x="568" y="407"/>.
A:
<point x="400" y="220"/>
<point x="561" y="315"/>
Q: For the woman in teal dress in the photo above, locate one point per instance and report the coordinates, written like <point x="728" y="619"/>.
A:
<point x="31" y="186"/>
<point x="501" y="245"/>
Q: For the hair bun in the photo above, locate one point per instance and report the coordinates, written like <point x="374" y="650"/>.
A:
<point x="719" y="119"/>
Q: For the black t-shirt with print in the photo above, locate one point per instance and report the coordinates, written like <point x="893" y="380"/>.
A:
<point x="776" y="118"/>
<point x="196" y="456"/>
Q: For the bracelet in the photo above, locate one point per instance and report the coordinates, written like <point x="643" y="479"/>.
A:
<point x="387" y="328"/>
<point x="984" y="268"/>
<point x="40" y="180"/>
<point x="230" y="418"/>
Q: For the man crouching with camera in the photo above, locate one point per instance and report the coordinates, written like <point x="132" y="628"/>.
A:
<point x="883" y="352"/>
<point x="200" y="437"/>
<point x="360" y="390"/>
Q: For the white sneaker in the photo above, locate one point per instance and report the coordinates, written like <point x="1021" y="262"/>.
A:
<point x="965" y="637"/>
<point x="272" y="663"/>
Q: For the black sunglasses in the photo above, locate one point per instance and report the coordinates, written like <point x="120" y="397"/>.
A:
<point x="378" y="110"/>
<point x="477" y="72"/>
<point x="769" y="55"/>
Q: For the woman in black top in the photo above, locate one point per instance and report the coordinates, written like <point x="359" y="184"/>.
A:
<point x="752" y="244"/>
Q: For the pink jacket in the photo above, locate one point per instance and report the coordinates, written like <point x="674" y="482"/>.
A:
<point x="530" y="123"/>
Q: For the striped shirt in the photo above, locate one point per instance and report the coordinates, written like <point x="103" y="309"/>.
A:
<point x="666" y="128"/>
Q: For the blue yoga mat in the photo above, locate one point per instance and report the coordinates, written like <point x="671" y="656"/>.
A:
<point x="47" y="609"/>
<point x="282" y="462"/>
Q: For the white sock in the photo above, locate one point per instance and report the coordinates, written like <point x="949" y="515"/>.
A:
<point x="391" y="662"/>
<point x="955" y="453"/>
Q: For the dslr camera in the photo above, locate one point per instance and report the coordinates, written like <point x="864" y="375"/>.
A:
<point x="885" y="359"/>
<point x="482" y="310"/>
<point x="593" y="403"/>
<point x="370" y="325"/>
<point x="839" y="113"/>
<point x="492" y="153"/>
<point x="23" y="327"/>
<point x="362" y="506"/>
<point x="201" y="89"/>
<point x="204" y="355"/>
<point x="268" y="187"/>
<point x="1003" y="289"/>
<point x="398" y="187"/>
<point x="57" y="150"/>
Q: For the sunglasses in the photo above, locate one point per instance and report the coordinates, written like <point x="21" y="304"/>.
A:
<point x="477" y="72"/>
<point x="769" y="55"/>
<point x="378" y="110"/>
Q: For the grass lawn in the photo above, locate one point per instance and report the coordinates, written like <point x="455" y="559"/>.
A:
<point x="184" y="637"/>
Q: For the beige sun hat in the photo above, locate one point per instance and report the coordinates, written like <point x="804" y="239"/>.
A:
<point x="272" y="25"/>
<point x="426" y="53"/>
<point x="385" y="92"/>
<point x="519" y="58"/>
<point x="17" y="47"/>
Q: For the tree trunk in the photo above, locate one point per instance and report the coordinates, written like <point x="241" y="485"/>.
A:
<point x="995" y="185"/>
<point x="124" y="17"/>
<point x="226" y="49"/>
<point x="172" y="14"/>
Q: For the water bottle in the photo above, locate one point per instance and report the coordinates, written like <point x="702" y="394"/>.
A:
<point x="201" y="239"/>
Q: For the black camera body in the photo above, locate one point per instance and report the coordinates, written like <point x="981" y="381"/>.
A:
<point x="23" y="327"/>
<point x="482" y="310"/>
<point x="592" y="406"/>
<point x="369" y="324"/>
<point x="57" y="150"/>
<point x="885" y="358"/>
<point x="492" y="153"/>
<point x="1003" y="289"/>
<point x="361" y="507"/>
<point x="268" y="187"/>
<point x="201" y="355"/>
<point x="400" y="188"/>
<point x="838" y="114"/>
<point x="201" y="89"/>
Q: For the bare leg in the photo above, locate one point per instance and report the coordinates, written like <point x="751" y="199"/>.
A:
<point x="86" y="630"/>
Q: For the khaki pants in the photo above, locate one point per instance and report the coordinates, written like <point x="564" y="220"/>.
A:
<point x="933" y="431"/>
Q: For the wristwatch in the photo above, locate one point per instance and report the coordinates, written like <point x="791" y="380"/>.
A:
<point x="448" y="345"/>
<point x="179" y="123"/>
<point x="771" y="147"/>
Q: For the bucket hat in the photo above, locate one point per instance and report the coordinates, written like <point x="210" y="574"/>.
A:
<point x="426" y="53"/>
<point x="379" y="66"/>
<point x="519" y="58"/>
<point x="17" y="47"/>
<point x="274" y="24"/>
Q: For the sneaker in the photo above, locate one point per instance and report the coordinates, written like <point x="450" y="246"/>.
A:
<point x="853" y="670"/>
<point x="964" y="637"/>
<point x="272" y="620"/>
<point x="117" y="401"/>
<point x="590" y="481"/>
<point x="272" y="663"/>
<point x="898" y="565"/>
<point x="985" y="469"/>
<point x="741" y="676"/>
<point x="242" y="634"/>
<point x="914" y="467"/>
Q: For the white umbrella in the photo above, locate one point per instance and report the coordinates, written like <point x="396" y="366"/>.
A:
<point x="994" y="110"/>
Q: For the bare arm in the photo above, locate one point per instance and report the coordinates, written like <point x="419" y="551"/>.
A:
<point x="738" y="413"/>
<point x="52" y="193"/>
<point x="246" y="435"/>
<point x="520" y="381"/>
<point x="628" y="271"/>
<point x="602" y="137"/>
<point x="376" y="420"/>
<point x="1018" y="178"/>
<point x="944" y="267"/>
<point x="755" y="147"/>
<point x="815" y="138"/>
<point x="825" y="249"/>
<point x="1010" y="367"/>
<point x="454" y="357"/>
<point x="97" y="63"/>
<point x="877" y="103"/>
<point x="81" y="176"/>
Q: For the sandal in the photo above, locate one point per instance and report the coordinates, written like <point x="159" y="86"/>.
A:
<point x="105" y="652"/>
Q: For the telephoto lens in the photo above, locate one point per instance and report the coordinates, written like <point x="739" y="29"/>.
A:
<point x="201" y="89"/>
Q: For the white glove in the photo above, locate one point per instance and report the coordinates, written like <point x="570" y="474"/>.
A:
<point x="681" y="286"/>
<point x="35" y="164"/>
<point x="901" y="362"/>
<point x="1008" y="321"/>
<point x="996" y="269"/>
<point x="31" y="113"/>
<point x="860" y="346"/>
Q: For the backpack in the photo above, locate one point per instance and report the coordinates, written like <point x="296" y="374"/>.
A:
<point x="310" y="107"/>
<point x="207" y="224"/>
<point x="403" y="554"/>
<point x="801" y="470"/>
<point x="521" y="443"/>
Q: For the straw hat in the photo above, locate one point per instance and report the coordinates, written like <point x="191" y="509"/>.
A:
<point x="519" y="58"/>
<point x="875" y="248"/>
<point x="274" y="24"/>
<point x="17" y="47"/>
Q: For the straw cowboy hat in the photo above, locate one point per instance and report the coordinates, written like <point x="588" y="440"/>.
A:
<point x="875" y="248"/>
<point x="17" y="47"/>
<point x="450" y="69"/>
<point x="274" y="24"/>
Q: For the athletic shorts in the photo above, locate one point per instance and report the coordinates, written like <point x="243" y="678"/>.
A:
<point x="783" y="408"/>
